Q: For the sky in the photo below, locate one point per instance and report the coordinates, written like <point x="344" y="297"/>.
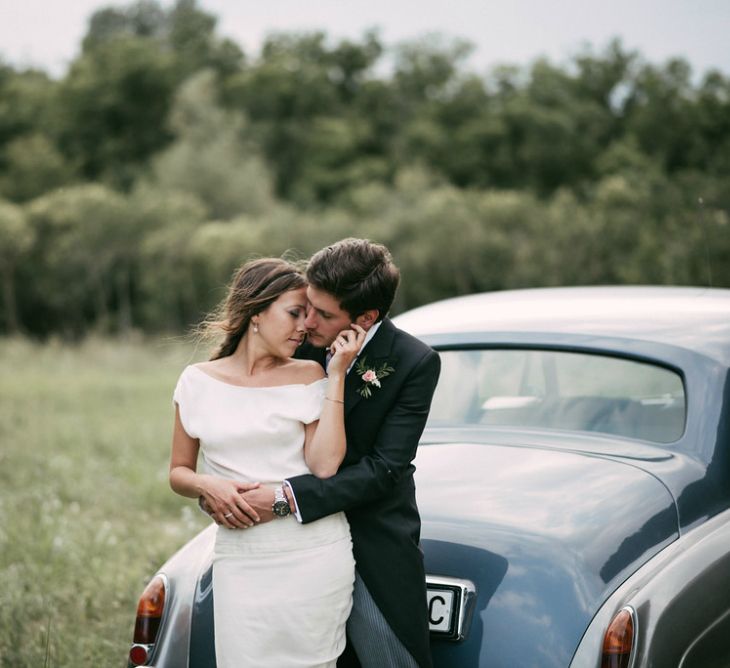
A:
<point x="47" y="33"/>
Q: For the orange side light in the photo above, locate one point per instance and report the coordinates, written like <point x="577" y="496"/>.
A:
<point x="618" y="641"/>
<point x="149" y="611"/>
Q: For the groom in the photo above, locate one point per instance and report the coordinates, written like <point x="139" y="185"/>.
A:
<point x="387" y="398"/>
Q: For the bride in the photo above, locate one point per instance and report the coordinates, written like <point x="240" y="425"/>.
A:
<point x="282" y="593"/>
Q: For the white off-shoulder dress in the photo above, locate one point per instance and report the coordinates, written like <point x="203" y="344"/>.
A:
<point x="282" y="590"/>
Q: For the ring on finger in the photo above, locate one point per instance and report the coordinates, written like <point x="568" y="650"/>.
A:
<point x="228" y="515"/>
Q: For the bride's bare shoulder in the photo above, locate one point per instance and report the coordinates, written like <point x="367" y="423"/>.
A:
<point x="208" y="364"/>
<point x="304" y="371"/>
<point x="214" y="367"/>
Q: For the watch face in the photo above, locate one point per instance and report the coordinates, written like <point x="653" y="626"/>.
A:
<point x="281" y="508"/>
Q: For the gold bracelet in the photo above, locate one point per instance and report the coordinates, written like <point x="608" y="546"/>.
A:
<point x="339" y="401"/>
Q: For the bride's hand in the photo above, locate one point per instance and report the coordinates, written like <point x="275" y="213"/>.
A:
<point x="225" y="502"/>
<point x="345" y="348"/>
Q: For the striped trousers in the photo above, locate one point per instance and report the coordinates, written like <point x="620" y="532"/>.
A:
<point x="372" y="638"/>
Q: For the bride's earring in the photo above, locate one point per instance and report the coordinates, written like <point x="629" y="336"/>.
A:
<point x="255" y="328"/>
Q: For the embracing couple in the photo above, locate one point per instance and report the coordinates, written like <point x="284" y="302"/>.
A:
<point x="308" y="416"/>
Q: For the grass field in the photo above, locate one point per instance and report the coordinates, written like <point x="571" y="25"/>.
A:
<point x="86" y="514"/>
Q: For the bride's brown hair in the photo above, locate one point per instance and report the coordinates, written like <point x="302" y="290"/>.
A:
<point x="255" y="286"/>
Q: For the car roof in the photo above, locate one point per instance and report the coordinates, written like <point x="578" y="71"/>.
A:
<point x="694" y="318"/>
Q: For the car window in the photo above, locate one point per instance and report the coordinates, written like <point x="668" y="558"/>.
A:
<point x="559" y="390"/>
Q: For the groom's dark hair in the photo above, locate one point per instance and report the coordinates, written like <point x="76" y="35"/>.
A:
<point x="360" y="274"/>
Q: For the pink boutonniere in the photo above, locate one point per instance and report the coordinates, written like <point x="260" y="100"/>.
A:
<point x="371" y="376"/>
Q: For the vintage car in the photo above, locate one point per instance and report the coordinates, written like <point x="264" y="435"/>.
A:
<point x="573" y="481"/>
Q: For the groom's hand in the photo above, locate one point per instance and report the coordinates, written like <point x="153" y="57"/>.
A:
<point x="262" y="501"/>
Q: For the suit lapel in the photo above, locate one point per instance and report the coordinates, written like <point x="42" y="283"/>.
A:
<point x="376" y="352"/>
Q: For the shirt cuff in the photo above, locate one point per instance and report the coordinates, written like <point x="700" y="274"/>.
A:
<point x="297" y="514"/>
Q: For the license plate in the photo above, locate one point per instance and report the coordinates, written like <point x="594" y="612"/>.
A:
<point x="449" y="602"/>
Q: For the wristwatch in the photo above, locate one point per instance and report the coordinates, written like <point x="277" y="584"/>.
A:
<point x="281" y="505"/>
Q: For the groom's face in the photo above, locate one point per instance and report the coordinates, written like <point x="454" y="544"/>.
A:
<point x="325" y="319"/>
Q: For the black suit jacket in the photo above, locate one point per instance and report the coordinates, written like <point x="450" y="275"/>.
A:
<point x="374" y="485"/>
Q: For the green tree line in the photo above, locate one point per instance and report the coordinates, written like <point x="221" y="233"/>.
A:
<point x="131" y="186"/>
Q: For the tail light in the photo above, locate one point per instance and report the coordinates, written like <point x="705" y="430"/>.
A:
<point x="619" y="640"/>
<point x="150" y="609"/>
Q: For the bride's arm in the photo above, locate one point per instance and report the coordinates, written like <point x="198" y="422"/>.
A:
<point x="325" y="441"/>
<point x="223" y="497"/>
